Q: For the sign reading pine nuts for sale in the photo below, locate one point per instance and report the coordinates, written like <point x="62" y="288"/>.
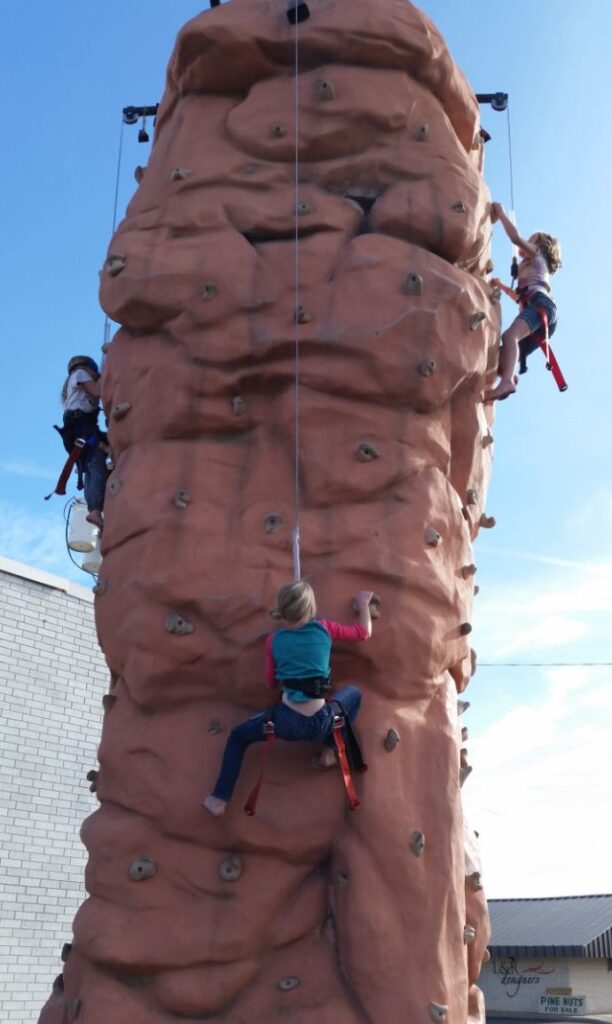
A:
<point x="562" y="1004"/>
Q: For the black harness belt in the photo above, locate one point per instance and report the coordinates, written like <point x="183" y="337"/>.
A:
<point x="313" y="686"/>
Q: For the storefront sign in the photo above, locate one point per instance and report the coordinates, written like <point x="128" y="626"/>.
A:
<point x="562" y="1004"/>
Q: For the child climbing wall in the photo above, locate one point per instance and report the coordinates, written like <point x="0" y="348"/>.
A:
<point x="305" y="911"/>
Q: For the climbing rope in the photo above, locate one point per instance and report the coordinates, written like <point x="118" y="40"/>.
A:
<point x="510" y="158"/>
<point x="297" y="568"/>
<point x="107" y="327"/>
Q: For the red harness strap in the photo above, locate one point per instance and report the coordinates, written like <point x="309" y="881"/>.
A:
<point x="344" y="764"/>
<point x="251" y="804"/>
<point x="73" y="458"/>
<point x="551" y="360"/>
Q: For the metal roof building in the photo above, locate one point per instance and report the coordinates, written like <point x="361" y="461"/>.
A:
<point x="551" y="959"/>
<point x="576" y="926"/>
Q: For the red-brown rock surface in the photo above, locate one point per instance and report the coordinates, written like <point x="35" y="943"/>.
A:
<point x="305" y="912"/>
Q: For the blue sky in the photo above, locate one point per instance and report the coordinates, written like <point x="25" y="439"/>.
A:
<point x="545" y="570"/>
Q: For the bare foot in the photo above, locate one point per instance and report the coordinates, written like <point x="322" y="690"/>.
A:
<point x="326" y="759"/>
<point x="504" y="389"/>
<point x="214" y="805"/>
<point x="95" y="518"/>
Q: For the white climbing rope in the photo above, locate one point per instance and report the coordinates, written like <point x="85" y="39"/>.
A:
<point x="297" y="568"/>
<point x="107" y="327"/>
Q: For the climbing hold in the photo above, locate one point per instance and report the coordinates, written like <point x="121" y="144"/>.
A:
<point x="465" y="512"/>
<point x="473" y="662"/>
<point x="342" y="880"/>
<point x="459" y="206"/>
<point x="142" y="868"/>
<point x="465" y="629"/>
<point x="273" y="523"/>
<point x="391" y="740"/>
<point x="115" y="263"/>
<point x="101" y="587"/>
<point x="487" y="440"/>
<point x="301" y="316"/>
<point x="417" y="843"/>
<point x="421" y="133"/>
<point x="468" y="570"/>
<point x="181" y="499"/>
<point x="303" y="208"/>
<point x="215" y="727"/>
<point x="472" y="496"/>
<point x="374" y="606"/>
<point x="66" y="950"/>
<point x="139" y="173"/>
<point x="175" y="623"/>
<point x="108" y="700"/>
<point x="432" y="537"/>
<point x="464" y="733"/>
<point x="298" y="12"/>
<point x="487" y="522"/>
<point x="477" y="319"/>
<point x="486" y="956"/>
<point x="474" y="882"/>
<point x="367" y="452"/>
<point x="209" y="291"/>
<point x="58" y="984"/>
<point x="324" y="90"/>
<point x="288" y="984"/>
<point x="238" y="406"/>
<point x="179" y="174"/>
<point x="469" y="934"/>
<point x="489" y="267"/>
<point x="413" y="285"/>
<point x="230" y="869"/>
<point x="476" y="590"/>
<point x="438" y="1012"/>
<point x="427" y="367"/>
<point x="92" y="777"/>
<point x="278" y="131"/>
<point x="120" y="410"/>
<point x="73" y="1009"/>
<point x="114" y="486"/>
<point x="462" y="706"/>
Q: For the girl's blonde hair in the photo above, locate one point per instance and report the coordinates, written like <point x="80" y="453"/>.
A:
<point x="551" y="250"/>
<point x="295" y="601"/>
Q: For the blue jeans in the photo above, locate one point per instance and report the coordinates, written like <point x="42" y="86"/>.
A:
<point x="531" y="315"/>
<point x="95" y="475"/>
<point x="289" y="725"/>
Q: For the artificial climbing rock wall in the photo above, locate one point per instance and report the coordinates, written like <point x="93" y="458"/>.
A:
<point x="305" y="912"/>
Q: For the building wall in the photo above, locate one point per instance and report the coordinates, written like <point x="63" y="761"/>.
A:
<point x="52" y="678"/>
<point x="518" y="986"/>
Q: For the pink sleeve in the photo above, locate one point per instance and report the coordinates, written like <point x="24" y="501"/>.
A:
<point x="269" y="667"/>
<point x="339" y="632"/>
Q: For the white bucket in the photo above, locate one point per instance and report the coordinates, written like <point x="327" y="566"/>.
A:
<point x="81" y="534"/>
<point x="93" y="561"/>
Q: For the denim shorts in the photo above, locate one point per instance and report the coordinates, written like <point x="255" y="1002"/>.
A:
<point x="531" y="313"/>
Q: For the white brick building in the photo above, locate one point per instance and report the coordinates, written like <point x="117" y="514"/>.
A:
<point x="551" y="959"/>
<point x="53" y="677"/>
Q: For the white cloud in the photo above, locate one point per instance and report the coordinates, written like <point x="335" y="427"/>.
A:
<point x="35" y="539"/>
<point x="540" y="789"/>
<point x="26" y="468"/>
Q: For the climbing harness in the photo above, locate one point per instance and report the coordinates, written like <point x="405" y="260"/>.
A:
<point x="543" y="340"/>
<point x="349" y="754"/>
<point x="73" y="459"/>
<point x="539" y="338"/>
